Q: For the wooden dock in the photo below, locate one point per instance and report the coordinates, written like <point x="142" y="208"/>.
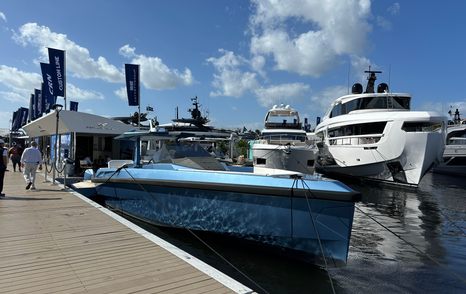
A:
<point x="53" y="241"/>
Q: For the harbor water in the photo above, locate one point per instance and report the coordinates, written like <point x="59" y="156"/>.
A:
<point x="403" y="241"/>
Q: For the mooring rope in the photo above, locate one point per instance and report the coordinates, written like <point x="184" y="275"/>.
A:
<point x="307" y="189"/>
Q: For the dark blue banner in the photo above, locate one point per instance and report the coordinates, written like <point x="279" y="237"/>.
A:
<point x="132" y="83"/>
<point x="39" y="102"/>
<point x="73" y="106"/>
<point x="14" y="120"/>
<point x="24" y="115"/>
<point x="57" y="70"/>
<point x="32" y="108"/>
<point x="47" y="87"/>
<point x="46" y="102"/>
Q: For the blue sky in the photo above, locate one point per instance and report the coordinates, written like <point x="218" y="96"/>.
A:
<point x="239" y="57"/>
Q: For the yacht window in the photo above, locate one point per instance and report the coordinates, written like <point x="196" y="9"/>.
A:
<point x="401" y="102"/>
<point x="284" y="137"/>
<point x="336" y="111"/>
<point x="377" y="102"/>
<point x="373" y="103"/>
<point x="260" y="160"/>
<point x="456" y="136"/>
<point x="358" y="129"/>
<point x="414" y="126"/>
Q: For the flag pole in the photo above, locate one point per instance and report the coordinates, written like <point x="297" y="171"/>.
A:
<point x="64" y="76"/>
<point x="139" y="99"/>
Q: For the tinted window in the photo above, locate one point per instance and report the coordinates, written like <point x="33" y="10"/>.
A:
<point x="358" y="129"/>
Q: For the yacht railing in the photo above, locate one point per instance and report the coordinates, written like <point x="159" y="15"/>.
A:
<point x="356" y="139"/>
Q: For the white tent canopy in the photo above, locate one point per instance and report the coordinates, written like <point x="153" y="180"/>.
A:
<point x="75" y="122"/>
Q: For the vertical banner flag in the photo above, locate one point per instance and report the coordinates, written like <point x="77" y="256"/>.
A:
<point x="13" y="121"/>
<point x="47" y="87"/>
<point x="17" y="121"/>
<point x="57" y="70"/>
<point x="132" y="83"/>
<point x="39" y="107"/>
<point x="24" y="116"/>
<point x="32" y="108"/>
<point x="73" y="106"/>
<point x="46" y="105"/>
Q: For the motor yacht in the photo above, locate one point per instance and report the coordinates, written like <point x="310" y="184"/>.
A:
<point x="283" y="144"/>
<point x="375" y="135"/>
<point x="454" y="156"/>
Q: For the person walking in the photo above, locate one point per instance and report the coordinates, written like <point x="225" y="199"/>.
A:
<point x="15" y="153"/>
<point x="3" y="164"/>
<point x="30" y="159"/>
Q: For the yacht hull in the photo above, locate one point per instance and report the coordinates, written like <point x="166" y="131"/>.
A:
<point x="300" y="159"/>
<point x="420" y="152"/>
<point x="397" y="156"/>
<point x="271" y="213"/>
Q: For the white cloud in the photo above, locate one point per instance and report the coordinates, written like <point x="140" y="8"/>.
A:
<point x="384" y="23"/>
<point x="78" y="59"/>
<point x="443" y="108"/>
<point x="394" y="9"/>
<point x="23" y="83"/>
<point x="154" y="73"/>
<point x="229" y="79"/>
<point x="284" y="93"/>
<point x="127" y="51"/>
<point x="2" y="16"/>
<point x="322" y="100"/>
<point x="77" y="94"/>
<point x="121" y="93"/>
<point x="15" y="97"/>
<point x="358" y="66"/>
<point x="334" y="28"/>
<point x="18" y="81"/>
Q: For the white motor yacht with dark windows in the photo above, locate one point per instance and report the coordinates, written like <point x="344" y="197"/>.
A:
<point x="375" y="135"/>
<point x="454" y="156"/>
<point x="283" y="144"/>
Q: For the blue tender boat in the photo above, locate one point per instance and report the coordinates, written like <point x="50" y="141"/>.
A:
<point x="300" y="214"/>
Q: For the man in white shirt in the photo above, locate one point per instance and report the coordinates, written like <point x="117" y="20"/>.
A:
<point x="30" y="159"/>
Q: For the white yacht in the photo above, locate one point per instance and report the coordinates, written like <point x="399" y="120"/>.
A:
<point x="454" y="156"/>
<point x="376" y="136"/>
<point x="283" y="144"/>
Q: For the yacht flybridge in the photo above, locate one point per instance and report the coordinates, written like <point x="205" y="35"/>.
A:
<point x="375" y="135"/>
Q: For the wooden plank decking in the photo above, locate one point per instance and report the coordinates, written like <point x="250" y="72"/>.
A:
<point x="53" y="241"/>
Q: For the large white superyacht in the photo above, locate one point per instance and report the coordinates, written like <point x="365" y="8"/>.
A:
<point x="376" y="136"/>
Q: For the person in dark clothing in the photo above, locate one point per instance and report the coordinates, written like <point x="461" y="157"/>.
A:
<point x="3" y="164"/>
<point x="15" y="153"/>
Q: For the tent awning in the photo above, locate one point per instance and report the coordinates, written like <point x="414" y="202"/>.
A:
<point x="75" y="122"/>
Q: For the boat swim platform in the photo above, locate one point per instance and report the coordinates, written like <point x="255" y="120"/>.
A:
<point x="55" y="240"/>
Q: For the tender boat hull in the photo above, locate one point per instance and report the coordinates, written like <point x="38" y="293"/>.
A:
<point x="269" y="210"/>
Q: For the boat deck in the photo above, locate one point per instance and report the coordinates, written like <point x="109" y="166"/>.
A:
<point x="52" y="240"/>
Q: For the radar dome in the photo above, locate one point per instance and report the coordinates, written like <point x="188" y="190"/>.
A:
<point x="382" y="88"/>
<point x="356" y="89"/>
